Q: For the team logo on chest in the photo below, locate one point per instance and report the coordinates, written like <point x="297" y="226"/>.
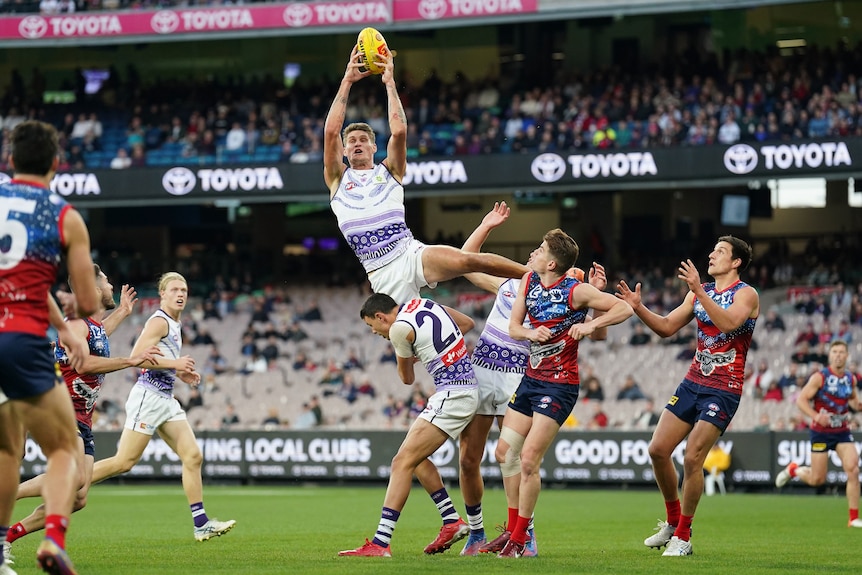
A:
<point x="709" y="361"/>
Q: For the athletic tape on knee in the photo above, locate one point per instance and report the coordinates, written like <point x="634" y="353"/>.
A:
<point x="512" y="463"/>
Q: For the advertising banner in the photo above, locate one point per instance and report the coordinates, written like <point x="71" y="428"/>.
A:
<point x="548" y="172"/>
<point x="162" y="24"/>
<point x="574" y="458"/>
<point x="168" y="22"/>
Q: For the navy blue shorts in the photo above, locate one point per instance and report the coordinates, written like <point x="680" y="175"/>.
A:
<point x="86" y="434"/>
<point x="691" y="402"/>
<point x="552" y="399"/>
<point x="825" y="442"/>
<point x="27" y="365"/>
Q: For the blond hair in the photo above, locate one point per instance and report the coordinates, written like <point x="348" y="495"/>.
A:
<point x="358" y="126"/>
<point x="168" y="278"/>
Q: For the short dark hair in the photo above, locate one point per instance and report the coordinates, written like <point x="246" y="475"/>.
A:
<point x="562" y="248"/>
<point x="378" y="302"/>
<point x="35" y="144"/>
<point x="739" y="250"/>
<point x="96" y="269"/>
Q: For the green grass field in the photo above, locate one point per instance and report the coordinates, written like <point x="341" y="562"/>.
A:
<point x="128" y="530"/>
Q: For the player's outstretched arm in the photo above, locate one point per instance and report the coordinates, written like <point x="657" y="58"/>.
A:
<point x="128" y="299"/>
<point x="333" y="147"/>
<point x="74" y="343"/>
<point x="464" y="322"/>
<point x="664" y="326"/>
<point x="496" y="217"/>
<point x="79" y="262"/>
<point x="396" y="148"/>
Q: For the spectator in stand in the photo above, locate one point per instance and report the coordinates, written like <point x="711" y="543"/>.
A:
<point x="760" y="380"/>
<point x="352" y="361"/>
<point x="807" y="335"/>
<point x="295" y="333"/>
<point x="271" y="351"/>
<point x="139" y="156"/>
<point x="774" y="321"/>
<point x="630" y="390"/>
<point x="646" y="418"/>
<point x="311" y="313"/>
<point x="599" y="419"/>
<point x="306" y="419"/>
<point x="235" y="141"/>
<point x="788" y="380"/>
<point x="301" y="362"/>
<point x="202" y="337"/>
<point x="773" y="392"/>
<point x="195" y="399"/>
<point x="803" y="353"/>
<point x="230" y="418"/>
<point x="388" y="355"/>
<point x="272" y="421"/>
<point x="314" y="404"/>
<point x="594" y="389"/>
<point x="639" y="336"/>
<point x="729" y="133"/>
<point x="122" y="160"/>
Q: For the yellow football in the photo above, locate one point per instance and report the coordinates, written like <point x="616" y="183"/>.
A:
<point x="371" y="42"/>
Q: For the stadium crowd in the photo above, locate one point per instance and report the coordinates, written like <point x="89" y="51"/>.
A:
<point x="304" y="360"/>
<point x="690" y="100"/>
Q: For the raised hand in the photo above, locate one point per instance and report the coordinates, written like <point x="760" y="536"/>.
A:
<point x="355" y="67"/>
<point x="598" y="278"/>
<point x="689" y="274"/>
<point x="128" y="299"/>
<point x="496" y="216"/>
<point x="633" y="298"/>
<point x="387" y="62"/>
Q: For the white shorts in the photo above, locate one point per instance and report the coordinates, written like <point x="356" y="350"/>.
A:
<point x="403" y="277"/>
<point x="495" y="389"/>
<point x="147" y="410"/>
<point x="451" y="410"/>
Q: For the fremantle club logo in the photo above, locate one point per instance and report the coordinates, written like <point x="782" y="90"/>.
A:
<point x="297" y="15"/>
<point x="740" y="159"/>
<point x="33" y="27"/>
<point x="432" y="9"/>
<point x="179" y="181"/>
<point x="548" y="168"/>
<point x="165" y="21"/>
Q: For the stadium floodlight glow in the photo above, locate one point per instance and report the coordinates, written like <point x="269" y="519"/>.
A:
<point x="794" y="43"/>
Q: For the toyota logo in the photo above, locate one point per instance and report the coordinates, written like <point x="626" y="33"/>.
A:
<point x="297" y="15"/>
<point x="548" y="168"/>
<point x="432" y="9"/>
<point x="740" y="159"/>
<point x="165" y="21"/>
<point x="33" y="27"/>
<point x="179" y="181"/>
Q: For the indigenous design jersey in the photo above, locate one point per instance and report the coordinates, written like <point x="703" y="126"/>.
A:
<point x="834" y="397"/>
<point x="31" y="242"/>
<point x="369" y="207"/>
<point x="84" y="388"/>
<point x="438" y="344"/>
<point x="556" y="360"/>
<point x="719" y="361"/>
<point x="496" y="349"/>
<point x="162" y="380"/>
